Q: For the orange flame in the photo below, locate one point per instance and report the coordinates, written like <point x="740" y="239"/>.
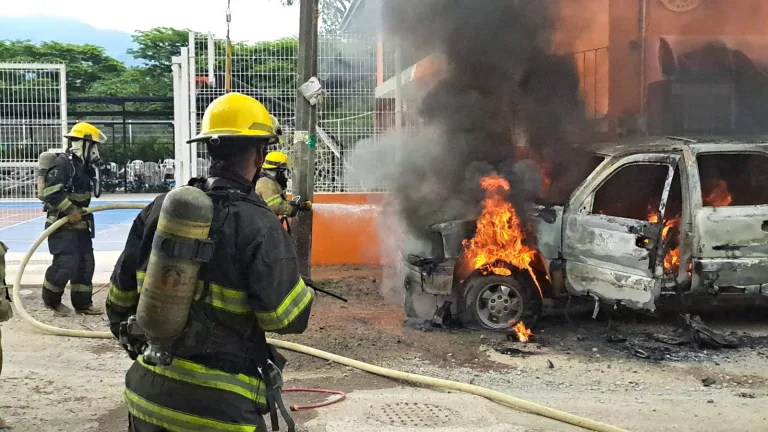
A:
<point x="523" y="333"/>
<point x="672" y="259"/>
<point x="499" y="236"/>
<point x="719" y="195"/>
<point x="546" y="177"/>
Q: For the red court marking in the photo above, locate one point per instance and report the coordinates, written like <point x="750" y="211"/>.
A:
<point x="14" y="216"/>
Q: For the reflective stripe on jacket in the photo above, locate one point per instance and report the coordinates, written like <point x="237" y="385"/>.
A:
<point x="251" y="285"/>
<point x="67" y="189"/>
<point x="272" y="194"/>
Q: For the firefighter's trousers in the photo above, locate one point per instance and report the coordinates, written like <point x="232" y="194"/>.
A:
<point x="73" y="262"/>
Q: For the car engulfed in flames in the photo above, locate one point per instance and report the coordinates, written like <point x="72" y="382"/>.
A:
<point x="506" y="268"/>
<point x="500" y="239"/>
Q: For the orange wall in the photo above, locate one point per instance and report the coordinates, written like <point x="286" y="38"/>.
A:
<point x="713" y="18"/>
<point x="345" y="229"/>
<point x="580" y="25"/>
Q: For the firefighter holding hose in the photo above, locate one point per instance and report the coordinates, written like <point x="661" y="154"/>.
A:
<point x="209" y="261"/>
<point x="272" y="184"/>
<point x="67" y="182"/>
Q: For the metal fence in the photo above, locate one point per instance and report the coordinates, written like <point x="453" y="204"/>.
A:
<point x="594" y="80"/>
<point x="138" y="155"/>
<point x="33" y="118"/>
<point x="268" y="72"/>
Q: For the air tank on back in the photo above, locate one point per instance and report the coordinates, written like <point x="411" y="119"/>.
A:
<point x="172" y="274"/>
<point x="44" y="163"/>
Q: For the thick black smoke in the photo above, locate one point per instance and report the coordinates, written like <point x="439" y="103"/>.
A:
<point x="502" y="88"/>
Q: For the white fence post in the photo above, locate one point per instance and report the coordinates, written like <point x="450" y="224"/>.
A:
<point x="33" y="119"/>
<point x="192" y="111"/>
<point x="181" y="100"/>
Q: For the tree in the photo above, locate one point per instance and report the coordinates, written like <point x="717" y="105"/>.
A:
<point x="331" y="13"/>
<point x="86" y="64"/>
<point x="157" y="47"/>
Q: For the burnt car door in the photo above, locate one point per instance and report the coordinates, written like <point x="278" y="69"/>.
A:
<point x="730" y="217"/>
<point x="612" y="230"/>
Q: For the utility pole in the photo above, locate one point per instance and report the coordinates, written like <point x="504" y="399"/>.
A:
<point x="305" y="136"/>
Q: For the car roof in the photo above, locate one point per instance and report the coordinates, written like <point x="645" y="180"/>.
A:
<point x="672" y="143"/>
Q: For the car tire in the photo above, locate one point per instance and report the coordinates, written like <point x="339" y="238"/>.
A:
<point x="514" y="300"/>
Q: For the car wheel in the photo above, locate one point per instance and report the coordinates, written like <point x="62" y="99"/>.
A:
<point x="498" y="303"/>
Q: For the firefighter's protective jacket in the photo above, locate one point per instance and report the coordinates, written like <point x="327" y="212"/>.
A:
<point x="251" y="285"/>
<point x="67" y="189"/>
<point x="270" y="191"/>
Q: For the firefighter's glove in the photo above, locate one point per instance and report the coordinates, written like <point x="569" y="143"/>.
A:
<point x="76" y="217"/>
<point x="305" y="206"/>
<point x="131" y="338"/>
<point x="134" y="351"/>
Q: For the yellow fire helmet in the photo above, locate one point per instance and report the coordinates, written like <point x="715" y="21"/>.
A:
<point x="86" y="132"/>
<point x="277" y="160"/>
<point x="276" y="125"/>
<point x="235" y="115"/>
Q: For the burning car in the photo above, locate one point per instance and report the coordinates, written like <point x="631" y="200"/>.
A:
<point x="655" y="219"/>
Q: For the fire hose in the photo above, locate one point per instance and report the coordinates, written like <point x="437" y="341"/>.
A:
<point x="498" y="397"/>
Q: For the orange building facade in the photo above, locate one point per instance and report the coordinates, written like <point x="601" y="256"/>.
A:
<point x="653" y="66"/>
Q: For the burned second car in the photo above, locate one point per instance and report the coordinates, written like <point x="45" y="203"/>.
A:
<point x="656" y="219"/>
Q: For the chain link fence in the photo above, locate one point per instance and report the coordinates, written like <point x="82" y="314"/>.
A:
<point x="138" y="155"/>
<point x="267" y="71"/>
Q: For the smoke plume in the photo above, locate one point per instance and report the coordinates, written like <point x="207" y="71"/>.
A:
<point x="502" y="89"/>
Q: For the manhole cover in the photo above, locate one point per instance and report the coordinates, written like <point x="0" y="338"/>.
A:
<point x="413" y="414"/>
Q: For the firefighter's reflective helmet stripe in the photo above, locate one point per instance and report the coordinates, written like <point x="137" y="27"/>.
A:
<point x="87" y="132"/>
<point x="174" y="420"/>
<point x="295" y="302"/>
<point x="237" y="115"/>
<point x="126" y="299"/>
<point x="274" y="199"/>
<point x="193" y="373"/>
<point x="277" y="160"/>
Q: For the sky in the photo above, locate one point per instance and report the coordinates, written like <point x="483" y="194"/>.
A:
<point x="252" y="20"/>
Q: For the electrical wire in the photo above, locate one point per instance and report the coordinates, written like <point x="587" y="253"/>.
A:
<point x="228" y="72"/>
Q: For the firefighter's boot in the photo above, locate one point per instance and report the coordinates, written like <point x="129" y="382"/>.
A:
<point x="60" y="310"/>
<point x="91" y="310"/>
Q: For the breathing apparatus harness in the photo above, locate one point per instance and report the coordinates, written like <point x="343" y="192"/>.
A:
<point x="92" y="167"/>
<point x="202" y="336"/>
<point x="92" y="170"/>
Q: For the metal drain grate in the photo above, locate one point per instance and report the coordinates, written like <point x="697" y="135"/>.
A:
<point x="413" y="414"/>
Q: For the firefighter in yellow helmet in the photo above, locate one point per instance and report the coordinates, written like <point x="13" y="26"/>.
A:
<point x="68" y="184"/>
<point x="272" y="185"/>
<point x="224" y="375"/>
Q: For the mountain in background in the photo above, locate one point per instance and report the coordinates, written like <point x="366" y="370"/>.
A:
<point x="65" y="30"/>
